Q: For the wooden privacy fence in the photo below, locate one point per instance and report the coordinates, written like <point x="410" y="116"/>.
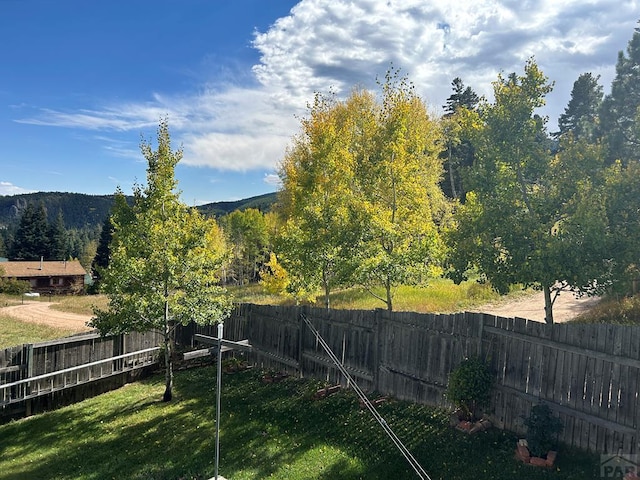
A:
<point x="49" y="374"/>
<point x="588" y="374"/>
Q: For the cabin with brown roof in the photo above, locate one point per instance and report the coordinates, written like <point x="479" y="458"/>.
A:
<point x="60" y="277"/>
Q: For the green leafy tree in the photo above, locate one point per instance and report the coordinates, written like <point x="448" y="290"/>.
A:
<point x="531" y="218"/>
<point x="248" y="238"/>
<point x="318" y="241"/>
<point x="399" y="193"/>
<point x="11" y="286"/>
<point x="165" y="259"/>
<point x="31" y="241"/>
<point x="361" y="193"/>
<point x="621" y="201"/>
<point x="458" y="151"/>
<point x="619" y="114"/>
<point x="87" y="254"/>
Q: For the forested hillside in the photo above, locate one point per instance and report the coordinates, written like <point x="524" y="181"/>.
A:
<point x="54" y="225"/>
<point x="78" y="210"/>
<point x="218" y="209"/>
<point x="88" y="211"/>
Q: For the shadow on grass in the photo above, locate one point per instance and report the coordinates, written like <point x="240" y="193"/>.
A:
<point x="268" y="431"/>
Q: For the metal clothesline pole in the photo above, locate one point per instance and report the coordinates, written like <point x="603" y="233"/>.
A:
<point x="218" y="394"/>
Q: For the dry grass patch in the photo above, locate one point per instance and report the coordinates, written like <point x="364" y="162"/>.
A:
<point x="619" y="311"/>
<point x="80" y="304"/>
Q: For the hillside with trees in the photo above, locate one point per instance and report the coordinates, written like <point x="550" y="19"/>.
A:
<point x="88" y="211"/>
<point x="57" y="225"/>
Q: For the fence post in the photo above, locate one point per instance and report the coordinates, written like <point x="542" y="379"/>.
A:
<point x="376" y="349"/>
<point x="300" y="342"/>
<point x="29" y="371"/>
<point x="29" y="359"/>
<point x="480" y="334"/>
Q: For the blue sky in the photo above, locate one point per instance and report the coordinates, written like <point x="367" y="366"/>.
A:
<point x="81" y="82"/>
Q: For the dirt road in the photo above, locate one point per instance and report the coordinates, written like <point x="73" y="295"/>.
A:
<point x="531" y="307"/>
<point x="40" y="312"/>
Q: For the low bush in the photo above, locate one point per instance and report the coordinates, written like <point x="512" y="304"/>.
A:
<point x="469" y="388"/>
<point x="11" y="286"/>
<point x="542" y="430"/>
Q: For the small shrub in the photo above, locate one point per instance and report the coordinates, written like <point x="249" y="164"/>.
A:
<point x="542" y="430"/>
<point x="621" y="311"/>
<point x="14" y="287"/>
<point x="469" y="388"/>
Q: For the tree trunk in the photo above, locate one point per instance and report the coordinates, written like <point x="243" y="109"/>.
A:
<point x="548" y="305"/>
<point x="168" y="394"/>
<point x="389" y="297"/>
<point x="168" y="357"/>
<point x="454" y="194"/>
<point x="327" y="300"/>
<point x="327" y="290"/>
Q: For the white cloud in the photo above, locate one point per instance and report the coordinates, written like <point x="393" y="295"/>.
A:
<point x="272" y="179"/>
<point x="8" y="188"/>
<point x="235" y="152"/>
<point x="340" y="43"/>
<point x="337" y="44"/>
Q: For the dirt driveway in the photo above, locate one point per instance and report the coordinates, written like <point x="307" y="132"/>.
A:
<point x="531" y="307"/>
<point x="40" y="312"/>
<point x="566" y="307"/>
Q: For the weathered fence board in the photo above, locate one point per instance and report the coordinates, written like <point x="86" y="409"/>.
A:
<point x="30" y="374"/>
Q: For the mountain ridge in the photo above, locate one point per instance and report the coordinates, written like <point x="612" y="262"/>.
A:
<point x="81" y="210"/>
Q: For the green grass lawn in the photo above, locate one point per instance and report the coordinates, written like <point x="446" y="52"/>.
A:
<point x="14" y="332"/>
<point x="268" y="431"/>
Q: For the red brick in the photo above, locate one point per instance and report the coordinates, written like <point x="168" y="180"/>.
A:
<point x="551" y="458"/>
<point x="523" y="454"/>
<point x="538" y="461"/>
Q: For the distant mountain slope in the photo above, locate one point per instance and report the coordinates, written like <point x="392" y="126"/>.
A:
<point x="261" y="202"/>
<point x="82" y="211"/>
<point x="78" y="210"/>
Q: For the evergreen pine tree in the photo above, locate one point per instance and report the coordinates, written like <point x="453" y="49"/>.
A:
<point x="58" y="245"/>
<point x="462" y="97"/>
<point x="101" y="260"/>
<point x="580" y="117"/>
<point x="620" y="109"/>
<point x="31" y="241"/>
<point x="458" y="153"/>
